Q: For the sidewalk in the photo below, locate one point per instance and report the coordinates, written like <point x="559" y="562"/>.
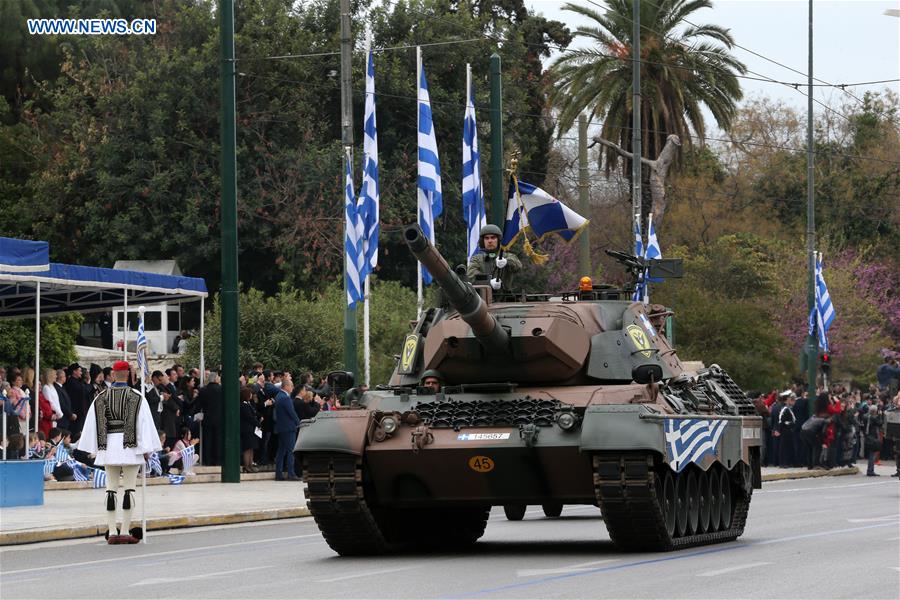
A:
<point x="77" y="513"/>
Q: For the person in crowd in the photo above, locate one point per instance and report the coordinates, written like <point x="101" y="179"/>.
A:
<point x="65" y="403"/>
<point x="154" y="398"/>
<point x="210" y="402"/>
<point x="46" y="416"/>
<point x="775" y="414"/>
<point x="286" y="424"/>
<point x="179" y="370"/>
<point x="78" y="395"/>
<point x="49" y="392"/>
<point x="20" y="402"/>
<point x="249" y="425"/>
<point x="97" y="381"/>
<point x="176" y="454"/>
<point x="36" y="446"/>
<point x="119" y="431"/>
<point x="762" y="410"/>
<point x="814" y="432"/>
<point x="107" y="376"/>
<point x="307" y="404"/>
<point x="15" y="447"/>
<point x="872" y="423"/>
<point x="785" y="425"/>
<point x="886" y="373"/>
<point x="9" y="409"/>
<point x="171" y="411"/>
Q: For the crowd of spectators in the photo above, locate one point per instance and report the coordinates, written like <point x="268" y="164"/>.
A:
<point x="838" y="426"/>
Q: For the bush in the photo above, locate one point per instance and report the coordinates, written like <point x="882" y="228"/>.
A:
<point x="57" y="341"/>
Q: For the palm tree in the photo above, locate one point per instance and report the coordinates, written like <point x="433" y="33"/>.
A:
<point x="683" y="68"/>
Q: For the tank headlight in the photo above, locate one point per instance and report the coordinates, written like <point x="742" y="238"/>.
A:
<point x="389" y="425"/>
<point x="567" y="421"/>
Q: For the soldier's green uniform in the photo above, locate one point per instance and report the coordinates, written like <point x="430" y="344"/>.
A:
<point x="484" y="262"/>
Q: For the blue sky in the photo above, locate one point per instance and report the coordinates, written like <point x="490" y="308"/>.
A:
<point x="853" y="40"/>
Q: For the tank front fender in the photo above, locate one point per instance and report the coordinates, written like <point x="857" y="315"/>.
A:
<point x="334" y="431"/>
<point x="619" y="427"/>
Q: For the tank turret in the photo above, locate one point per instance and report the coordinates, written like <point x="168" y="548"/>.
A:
<point x="460" y="294"/>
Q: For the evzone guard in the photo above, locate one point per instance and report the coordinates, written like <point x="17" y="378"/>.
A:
<point x="120" y="432"/>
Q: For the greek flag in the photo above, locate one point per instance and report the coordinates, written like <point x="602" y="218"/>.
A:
<point x="99" y="479"/>
<point x="153" y="464"/>
<point x="430" y="202"/>
<point x="49" y="465"/>
<point x="62" y="455"/>
<point x="176" y="479"/>
<point x="369" y="194"/>
<point x="187" y="459"/>
<point x="638" y="251"/>
<point x="823" y="313"/>
<point x="352" y="247"/>
<point x="472" y="193"/>
<point x="143" y="367"/>
<point x="689" y="440"/>
<point x="79" y="471"/>
<point x="536" y="210"/>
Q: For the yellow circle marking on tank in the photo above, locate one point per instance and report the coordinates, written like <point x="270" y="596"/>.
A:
<point x="481" y="464"/>
<point x="409" y="352"/>
<point x="640" y="340"/>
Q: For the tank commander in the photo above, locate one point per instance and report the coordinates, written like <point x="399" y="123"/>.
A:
<point x="432" y="380"/>
<point x="500" y="270"/>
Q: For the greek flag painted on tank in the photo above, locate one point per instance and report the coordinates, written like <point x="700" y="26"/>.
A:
<point x="533" y="208"/>
<point x="689" y="440"/>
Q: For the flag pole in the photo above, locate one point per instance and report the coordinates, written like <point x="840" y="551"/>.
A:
<point x="142" y="352"/>
<point x="419" y="291"/>
<point x="366" y="288"/>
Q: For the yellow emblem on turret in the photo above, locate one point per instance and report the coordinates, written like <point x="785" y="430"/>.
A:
<point x="639" y="338"/>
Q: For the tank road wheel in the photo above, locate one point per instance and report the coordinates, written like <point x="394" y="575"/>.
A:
<point x="668" y="501"/>
<point x="725" y="500"/>
<point x="705" y="498"/>
<point x="693" y="502"/>
<point x="514" y="512"/>
<point x="715" y="491"/>
<point x="552" y="510"/>
<point x="681" y="505"/>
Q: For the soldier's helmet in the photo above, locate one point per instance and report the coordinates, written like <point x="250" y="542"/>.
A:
<point x="432" y="373"/>
<point x="489" y="229"/>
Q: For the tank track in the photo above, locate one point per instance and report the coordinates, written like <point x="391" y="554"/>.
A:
<point x="336" y="498"/>
<point x="627" y="491"/>
<point x="334" y="495"/>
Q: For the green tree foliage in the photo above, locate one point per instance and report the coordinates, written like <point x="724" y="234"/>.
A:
<point x="17" y="343"/>
<point x="302" y="332"/>
<point x="684" y="68"/>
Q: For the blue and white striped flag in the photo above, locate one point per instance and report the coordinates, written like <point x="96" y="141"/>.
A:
<point x="639" y="252"/>
<point x="368" y="205"/>
<point x="536" y="210"/>
<point x="62" y="455"/>
<point x="79" y="471"/>
<point x="689" y="440"/>
<point x="143" y="367"/>
<point x="187" y="459"/>
<point x="823" y="311"/>
<point x="352" y="246"/>
<point x="176" y="479"/>
<point x="154" y="465"/>
<point x="430" y="200"/>
<point x="99" y="478"/>
<point x="49" y="465"/>
<point x="472" y="192"/>
<point x="651" y="252"/>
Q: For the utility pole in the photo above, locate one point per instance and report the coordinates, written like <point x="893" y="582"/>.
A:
<point x="350" y="360"/>
<point x="584" y="255"/>
<point x="636" y="112"/>
<point x="231" y="408"/>
<point x="498" y="177"/>
<point x="811" y="342"/>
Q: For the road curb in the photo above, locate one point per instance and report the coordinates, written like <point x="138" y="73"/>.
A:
<point x="32" y="536"/>
<point x="812" y="473"/>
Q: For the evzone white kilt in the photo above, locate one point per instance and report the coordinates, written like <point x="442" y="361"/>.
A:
<point x="115" y="453"/>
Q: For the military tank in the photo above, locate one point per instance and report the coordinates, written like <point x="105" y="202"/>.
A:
<point x="551" y="401"/>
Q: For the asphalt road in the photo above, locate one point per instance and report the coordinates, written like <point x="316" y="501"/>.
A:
<point x="834" y="537"/>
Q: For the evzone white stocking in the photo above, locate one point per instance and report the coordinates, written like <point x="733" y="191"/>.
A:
<point x="129" y="481"/>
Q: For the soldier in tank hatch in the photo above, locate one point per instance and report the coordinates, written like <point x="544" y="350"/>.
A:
<point x="119" y="430"/>
<point x="500" y="270"/>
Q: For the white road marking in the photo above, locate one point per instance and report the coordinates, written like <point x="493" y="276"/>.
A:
<point x="366" y="574"/>
<point x="562" y="570"/>
<point x="732" y="569"/>
<point x="182" y="578"/>
<point x="823" y="487"/>
<point x="165" y="553"/>
<point x="893" y="539"/>
<point x="873" y="519"/>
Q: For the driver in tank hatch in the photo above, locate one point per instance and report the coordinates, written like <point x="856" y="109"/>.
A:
<point x="432" y="380"/>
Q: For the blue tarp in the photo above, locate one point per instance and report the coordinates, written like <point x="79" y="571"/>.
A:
<point x="76" y="288"/>
<point x="23" y="255"/>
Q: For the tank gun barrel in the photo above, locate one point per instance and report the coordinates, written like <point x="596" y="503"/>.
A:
<point x="461" y="295"/>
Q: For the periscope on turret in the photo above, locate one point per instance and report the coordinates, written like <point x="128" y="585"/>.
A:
<point x="551" y="401"/>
